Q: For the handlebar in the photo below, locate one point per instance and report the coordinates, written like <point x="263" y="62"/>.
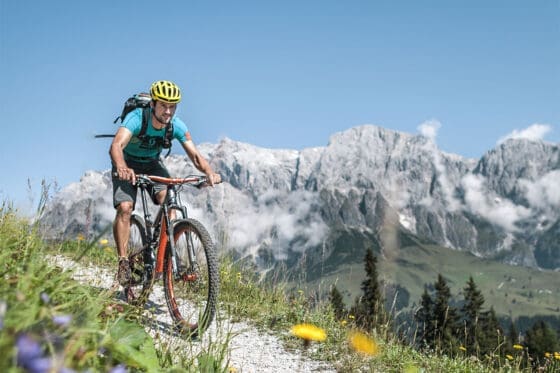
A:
<point x="197" y="181"/>
<point x="194" y="180"/>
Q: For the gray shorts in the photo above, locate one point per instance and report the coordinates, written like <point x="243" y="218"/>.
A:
<point x="124" y="191"/>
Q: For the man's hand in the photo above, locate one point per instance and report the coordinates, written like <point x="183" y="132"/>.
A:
<point x="213" y="178"/>
<point x="126" y="173"/>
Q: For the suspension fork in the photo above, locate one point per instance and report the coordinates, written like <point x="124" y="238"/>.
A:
<point x="190" y="245"/>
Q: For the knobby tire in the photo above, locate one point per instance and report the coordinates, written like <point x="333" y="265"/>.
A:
<point x="192" y="293"/>
<point x="139" y="287"/>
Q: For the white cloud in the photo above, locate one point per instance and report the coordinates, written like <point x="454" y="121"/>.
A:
<point x="430" y="129"/>
<point x="281" y="221"/>
<point x="543" y="193"/>
<point x="533" y="132"/>
<point x="482" y="202"/>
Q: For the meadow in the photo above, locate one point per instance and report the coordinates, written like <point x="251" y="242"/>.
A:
<point x="49" y="321"/>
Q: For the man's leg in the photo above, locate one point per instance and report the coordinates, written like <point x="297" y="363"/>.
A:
<point x="121" y="227"/>
<point x="121" y="233"/>
<point x="124" y="195"/>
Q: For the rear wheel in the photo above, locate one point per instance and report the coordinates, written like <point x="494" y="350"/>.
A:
<point x="192" y="291"/>
<point x="138" y="288"/>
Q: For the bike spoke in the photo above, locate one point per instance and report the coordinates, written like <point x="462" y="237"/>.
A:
<point x="192" y="290"/>
<point x="136" y="291"/>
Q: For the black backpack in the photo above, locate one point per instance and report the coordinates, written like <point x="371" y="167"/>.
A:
<point x="142" y="100"/>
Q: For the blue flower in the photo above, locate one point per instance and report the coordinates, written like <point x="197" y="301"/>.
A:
<point x="39" y="365"/>
<point x="118" y="369"/>
<point x="30" y="355"/>
<point x="45" y="298"/>
<point x="62" y="320"/>
<point x="3" y="308"/>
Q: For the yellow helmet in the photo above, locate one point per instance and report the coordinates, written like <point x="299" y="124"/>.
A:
<point x="166" y="91"/>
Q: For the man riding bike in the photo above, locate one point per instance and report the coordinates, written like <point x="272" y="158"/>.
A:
<point x="131" y="154"/>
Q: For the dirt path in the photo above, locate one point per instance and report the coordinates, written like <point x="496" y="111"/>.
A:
<point x="248" y="350"/>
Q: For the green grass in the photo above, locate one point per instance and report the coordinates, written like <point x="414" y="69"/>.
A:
<point x="82" y="328"/>
<point x="511" y="290"/>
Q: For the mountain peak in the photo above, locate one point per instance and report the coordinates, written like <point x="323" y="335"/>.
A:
<point x="366" y="179"/>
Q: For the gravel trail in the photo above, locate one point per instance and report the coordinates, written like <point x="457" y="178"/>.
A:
<point x="248" y="349"/>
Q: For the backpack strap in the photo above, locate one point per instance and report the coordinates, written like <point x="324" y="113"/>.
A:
<point x="168" y="138"/>
<point x="144" y="128"/>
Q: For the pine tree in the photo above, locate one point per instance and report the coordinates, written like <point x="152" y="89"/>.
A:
<point x="369" y="309"/>
<point x="471" y="311"/>
<point x="426" y="320"/>
<point x="492" y="335"/>
<point x="541" y="339"/>
<point x="512" y="337"/>
<point x="337" y="303"/>
<point x="446" y="318"/>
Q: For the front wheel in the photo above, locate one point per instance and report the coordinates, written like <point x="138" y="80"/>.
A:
<point x="192" y="290"/>
<point x="138" y="288"/>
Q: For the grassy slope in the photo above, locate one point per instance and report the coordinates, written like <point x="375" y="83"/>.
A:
<point x="512" y="290"/>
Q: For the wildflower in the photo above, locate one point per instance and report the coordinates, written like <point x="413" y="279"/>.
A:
<point x="80" y="237"/>
<point x="232" y="369"/>
<point x="362" y="343"/>
<point x="3" y="308"/>
<point x="517" y="347"/>
<point x="351" y="317"/>
<point x="309" y="332"/>
<point x="462" y="348"/>
<point x="45" y="298"/>
<point x="557" y="355"/>
<point x="343" y="322"/>
<point x="509" y="357"/>
<point x="30" y="356"/>
<point x="104" y="241"/>
<point x="118" y="369"/>
<point x="548" y="355"/>
<point x="62" y="320"/>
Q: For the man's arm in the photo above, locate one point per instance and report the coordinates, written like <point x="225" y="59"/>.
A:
<point x="121" y="139"/>
<point x="200" y="162"/>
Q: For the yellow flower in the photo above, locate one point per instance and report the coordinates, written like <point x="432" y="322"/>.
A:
<point x="80" y="237"/>
<point x="104" y="241"/>
<point x="309" y="332"/>
<point x="557" y="355"/>
<point x="547" y="355"/>
<point x="462" y="348"/>
<point x="362" y="343"/>
<point x="351" y="317"/>
<point x="518" y="347"/>
<point x="343" y="322"/>
<point x="509" y="357"/>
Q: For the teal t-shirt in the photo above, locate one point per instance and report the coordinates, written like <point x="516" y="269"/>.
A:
<point x="150" y="147"/>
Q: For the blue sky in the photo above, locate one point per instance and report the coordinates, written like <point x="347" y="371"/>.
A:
<point x="283" y="74"/>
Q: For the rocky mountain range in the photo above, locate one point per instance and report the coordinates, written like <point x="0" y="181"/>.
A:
<point x="369" y="187"/>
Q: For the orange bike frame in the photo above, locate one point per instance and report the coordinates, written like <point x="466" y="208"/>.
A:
<point x="163" y="238"/>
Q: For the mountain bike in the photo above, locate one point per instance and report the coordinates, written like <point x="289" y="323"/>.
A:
<point x="187" y="262"/>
